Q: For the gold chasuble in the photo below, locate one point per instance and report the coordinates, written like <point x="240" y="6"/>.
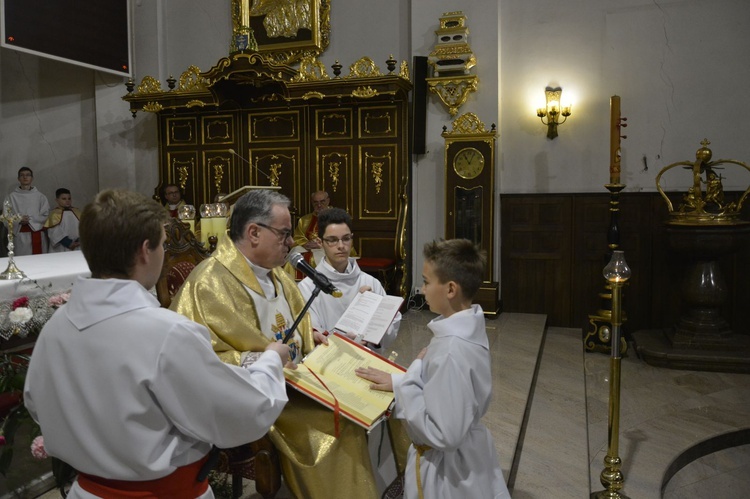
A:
<point x="315" y="463"/>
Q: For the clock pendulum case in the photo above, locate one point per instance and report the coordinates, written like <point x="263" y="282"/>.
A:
<point x="470" y="195"/>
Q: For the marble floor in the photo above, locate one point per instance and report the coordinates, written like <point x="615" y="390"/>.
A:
<point x="549" y="417"/>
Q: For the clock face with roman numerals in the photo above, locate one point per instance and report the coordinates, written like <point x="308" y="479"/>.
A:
<point x="468" y="163"/>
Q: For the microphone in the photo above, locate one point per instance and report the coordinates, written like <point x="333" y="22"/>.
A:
<point x="321" y="281"/>
<point x="232" y="151"/>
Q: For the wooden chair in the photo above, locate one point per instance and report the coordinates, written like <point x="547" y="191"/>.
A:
<point x="259" y="460"/>
<point x="381" y="268"/>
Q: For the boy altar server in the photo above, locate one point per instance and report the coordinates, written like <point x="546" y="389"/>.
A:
<point x="62" y="224"/>
<point x="26" y="200"/>
<point x="452" y="454"/>
<point x="130" y="394"/>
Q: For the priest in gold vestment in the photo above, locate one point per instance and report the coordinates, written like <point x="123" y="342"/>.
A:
<point x="246" y="300"/>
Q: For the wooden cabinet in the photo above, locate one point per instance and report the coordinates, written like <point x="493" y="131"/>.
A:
<point x="249" y="121"/>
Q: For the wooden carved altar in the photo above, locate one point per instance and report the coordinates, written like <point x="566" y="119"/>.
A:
<point x="251" y="121"/>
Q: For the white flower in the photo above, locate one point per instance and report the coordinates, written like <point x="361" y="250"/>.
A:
<point x="21" y="315"/>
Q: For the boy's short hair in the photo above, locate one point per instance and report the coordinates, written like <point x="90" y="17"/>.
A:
<point x="113" y="228"/>
<point x="458" y="260"/>
<point x="254" y="207"/>
<point x="333" y="216"/>
<point x="25" y="169"/>
<point x="62" y="190"/>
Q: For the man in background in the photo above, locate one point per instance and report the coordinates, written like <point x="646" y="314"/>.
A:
<point x="173" y="198"/>
<point x="29" y="235"/>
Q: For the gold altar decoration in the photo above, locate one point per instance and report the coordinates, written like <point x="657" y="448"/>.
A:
<point x="284" y="30"/>
<point x="9" y="217"/>
<point x="451" y="60"/>
<point x="704" y="203"/>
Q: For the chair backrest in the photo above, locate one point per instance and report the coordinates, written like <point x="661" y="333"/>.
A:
<point x="182" y="252"/>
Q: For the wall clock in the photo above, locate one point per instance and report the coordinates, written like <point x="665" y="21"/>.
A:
<point x="468" y="163"/>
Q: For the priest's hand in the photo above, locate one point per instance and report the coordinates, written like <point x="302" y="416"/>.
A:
<point x="283" y="351"/>
<point x="365" y="288"/>
<point x="312" y="244"/>
<point x="381" y="380"/>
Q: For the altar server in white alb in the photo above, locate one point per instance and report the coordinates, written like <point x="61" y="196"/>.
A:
<point x="29" y="237"/>
<point x="335" y="229"/>
<point x="62" y="224"/>
<point x="387" y="453"/>
<point x="130" y="394"/>
<point x="446" y="391"/>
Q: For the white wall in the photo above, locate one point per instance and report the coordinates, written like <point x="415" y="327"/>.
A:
<point x="679" y="66"/>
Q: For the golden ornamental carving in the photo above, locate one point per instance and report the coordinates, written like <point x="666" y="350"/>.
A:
<point x="313" y="95"/>
<point x="311" y="69"/>
<point x="218" y="173"/>
<point x="191" y="80"/>
<point x="453" y="91"/>
<point x="194" y="103"/>
<point x="153" y="107"/>
<point x="149" y="85"/>
<point x="275" y="174"/>
<point x="279" y="33"/>
<point x="333" y="173"/>
<point x="365" y="92"/>
<point x="377" y="175"/>
<point x="404" y="72"/>
<point x="709" y="207"/>
<point x="364" y="68"/>
<point x="468" y="124"/>
<point x="183" y="173"/>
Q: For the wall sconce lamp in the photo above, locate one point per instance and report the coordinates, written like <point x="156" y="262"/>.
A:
<point x="553" y="111"/>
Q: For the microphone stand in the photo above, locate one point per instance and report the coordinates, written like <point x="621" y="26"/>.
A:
<point x="314" y="295"/>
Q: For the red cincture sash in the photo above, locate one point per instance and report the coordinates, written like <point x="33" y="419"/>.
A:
<point x="36" y="239"/>
<point x="180" y="484"/>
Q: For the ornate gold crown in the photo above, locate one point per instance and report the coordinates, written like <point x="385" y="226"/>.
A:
<point x="699" y="206"/>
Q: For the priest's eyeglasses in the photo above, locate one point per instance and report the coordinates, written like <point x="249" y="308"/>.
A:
<point x="282" y="234"/>
<point x="334" y="241"/>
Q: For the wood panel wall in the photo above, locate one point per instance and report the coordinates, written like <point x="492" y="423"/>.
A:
<point x="554" y="247"/>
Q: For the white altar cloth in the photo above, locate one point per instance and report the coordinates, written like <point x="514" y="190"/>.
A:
<point x="54" y="272"/>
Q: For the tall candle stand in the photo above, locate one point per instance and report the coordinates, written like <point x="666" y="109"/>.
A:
<point x="8" y="217"/>
<point x="616" y="273"/>
<point x="599" y="337"/>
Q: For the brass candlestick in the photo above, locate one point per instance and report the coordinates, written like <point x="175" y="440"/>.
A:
<point x="616" y="273"/>
<point x="8" y="217"/>
<point x="599" y="337"/>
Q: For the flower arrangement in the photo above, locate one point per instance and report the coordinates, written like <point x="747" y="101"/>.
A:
<point x="24" y="316"/>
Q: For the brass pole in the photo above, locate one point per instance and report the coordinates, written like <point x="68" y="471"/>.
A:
<point x="611" y="477"/>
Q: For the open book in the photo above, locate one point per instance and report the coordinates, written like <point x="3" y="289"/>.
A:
<point x="369" y="315"/>
<point x="334" y="365"/>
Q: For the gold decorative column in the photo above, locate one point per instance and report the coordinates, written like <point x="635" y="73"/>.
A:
<point x="616" y="273"/>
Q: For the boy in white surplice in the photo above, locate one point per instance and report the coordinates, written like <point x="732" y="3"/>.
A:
<point x="446" y="390"/>
<point x="62" y="224"/>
